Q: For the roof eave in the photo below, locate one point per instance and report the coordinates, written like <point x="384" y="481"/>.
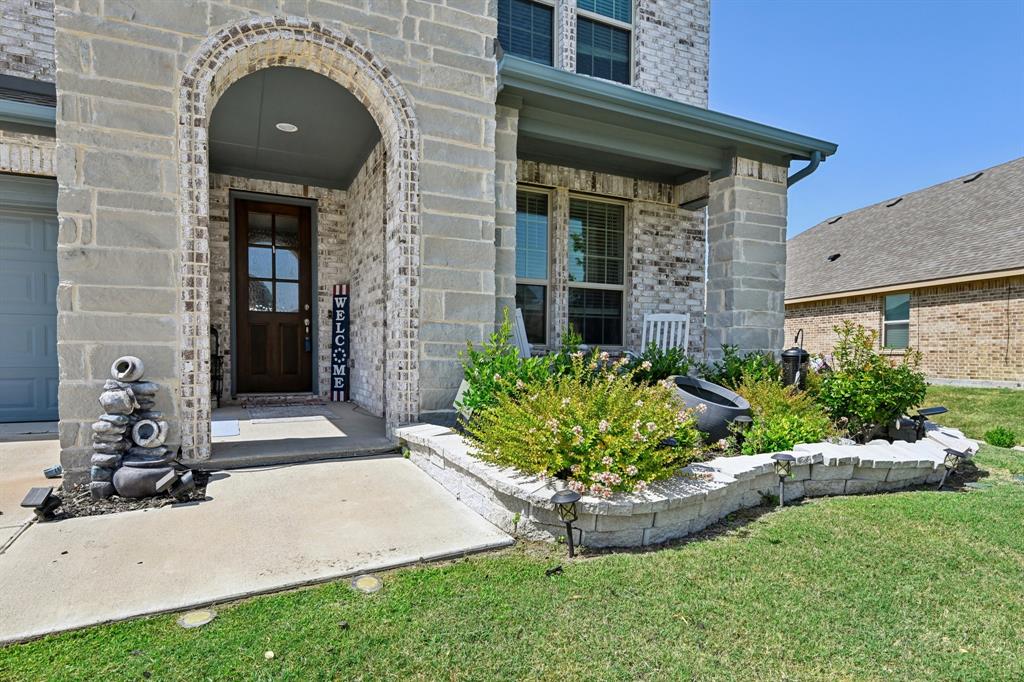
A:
<point x="540" y="85"/>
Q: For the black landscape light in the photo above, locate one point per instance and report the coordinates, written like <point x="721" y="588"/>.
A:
<point x="783" y="469"/>
<point x="922" y="416"/>
<point x="565" y="503"/>
<point x="43" y="502"/>
<point x="951" y="462"/>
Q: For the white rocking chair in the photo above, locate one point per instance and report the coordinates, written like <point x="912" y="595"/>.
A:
<point x="665" y="330"/>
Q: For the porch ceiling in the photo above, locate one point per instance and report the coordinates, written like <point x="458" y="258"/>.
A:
<point x="576" y="120"/>
<point x="335" y="131"/>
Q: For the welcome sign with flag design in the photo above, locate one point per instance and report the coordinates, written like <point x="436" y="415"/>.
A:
<point x="339" y="343"/>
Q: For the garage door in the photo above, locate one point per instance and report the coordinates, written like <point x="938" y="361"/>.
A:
<point x="28" y="299"/>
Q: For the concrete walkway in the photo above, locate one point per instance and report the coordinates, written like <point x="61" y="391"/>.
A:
<point x="21" y="468"/>
<point x="263" y="530"/>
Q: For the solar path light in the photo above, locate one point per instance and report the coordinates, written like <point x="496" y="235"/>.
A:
<point x="951" y="462"/>
<point x="42" y="502"/>
<point x="783" y="469"/>
<point x="565" y="503"/>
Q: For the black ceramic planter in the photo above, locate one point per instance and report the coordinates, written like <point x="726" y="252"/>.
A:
<point x="721" y="405"/>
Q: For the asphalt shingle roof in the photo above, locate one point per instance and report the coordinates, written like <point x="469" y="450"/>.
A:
<point x="952" y="229"/>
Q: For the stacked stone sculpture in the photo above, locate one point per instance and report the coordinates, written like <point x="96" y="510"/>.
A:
<point x="129" y="456"/>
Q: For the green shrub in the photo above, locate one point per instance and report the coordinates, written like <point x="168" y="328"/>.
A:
<point x="602" y="435"/>
<point x="866" y="390"/>
<point x="655" y="364"/>
<point x="497" y="370"/>
<point x="731" y="370"/>
<point x="1001" y="437"/>
<point x="783" y="416"/>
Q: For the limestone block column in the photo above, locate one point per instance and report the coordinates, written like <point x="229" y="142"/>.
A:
<point x="505" y="138"/>
<point x="747" y="258"/>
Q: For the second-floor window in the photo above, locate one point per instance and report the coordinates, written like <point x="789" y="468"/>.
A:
<point x="604" y="39"/>
<point x="527" y="29"/>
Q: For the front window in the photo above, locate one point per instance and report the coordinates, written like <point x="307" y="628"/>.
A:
<point x="896" y="327"/>
<point x="526" y="29"/>
<point x="532" y="263"/>
<point x="597" y="270"/>
<point x="603" y="39"/>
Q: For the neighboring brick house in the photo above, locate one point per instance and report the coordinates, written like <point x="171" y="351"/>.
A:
<point x="226" y="162"/>
<point x="940" y="270"/>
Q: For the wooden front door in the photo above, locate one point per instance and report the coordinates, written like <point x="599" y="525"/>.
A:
<point x="273" y="298"/>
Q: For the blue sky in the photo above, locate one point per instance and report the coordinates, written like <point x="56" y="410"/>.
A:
<point x="914" y="92"/>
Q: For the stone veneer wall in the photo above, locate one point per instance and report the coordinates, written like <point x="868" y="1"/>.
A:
<point x="665" y="268"/>
<point x="967" y="332"/>
<point x="747" y="258"/>
<point x="27" y="154"/>
<point x="364" y="225"/>
<point x="521" y="503"/>
<point x="137" y="81"/>
<point x="332" y="262"/>
<point x="26" y="39"/>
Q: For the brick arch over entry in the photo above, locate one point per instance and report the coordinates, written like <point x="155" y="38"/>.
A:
<point x="225" y="57"/>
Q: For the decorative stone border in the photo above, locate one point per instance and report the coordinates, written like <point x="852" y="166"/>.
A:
<point x="236" y="51"/>
<point x="520" y="504"/>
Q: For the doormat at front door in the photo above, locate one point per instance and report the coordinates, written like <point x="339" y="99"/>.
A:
<point x="281" y="400"/>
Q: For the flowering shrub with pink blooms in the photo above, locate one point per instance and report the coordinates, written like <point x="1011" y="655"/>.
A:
<point x="593" y="427"/>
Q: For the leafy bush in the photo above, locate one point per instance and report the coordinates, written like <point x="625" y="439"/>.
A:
<point x="497" y="370"/>
<point x="731" y="370"/>
<point x="783" y="416"/>
<point x="1001" y="437"/>
<point x="865" y="390"/>
<point x="655" y="364"/>
<point x="601" y="436"/>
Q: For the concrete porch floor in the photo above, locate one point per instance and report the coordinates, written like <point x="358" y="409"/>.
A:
<point x="295" y="433"/>
<point x="261" y="531"/>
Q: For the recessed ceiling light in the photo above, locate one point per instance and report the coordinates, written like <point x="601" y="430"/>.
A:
<point x="287" y="127"/>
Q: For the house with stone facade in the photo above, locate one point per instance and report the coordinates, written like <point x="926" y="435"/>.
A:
<point x="188" y="181"/>
<point x="940" y="270"/>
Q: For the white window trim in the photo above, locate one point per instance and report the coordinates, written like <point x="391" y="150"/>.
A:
<point x="626" y="262"/>
<point x="886" y="323"/>
<point x="546" y="283"/>
<point x="630" y="26"/>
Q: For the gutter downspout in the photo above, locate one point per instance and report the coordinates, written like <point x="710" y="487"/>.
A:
<point x="805" y="171"/>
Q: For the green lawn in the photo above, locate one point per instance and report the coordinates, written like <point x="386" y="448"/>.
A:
<point x="919" y="585"/>
<point x="976" y="410"/>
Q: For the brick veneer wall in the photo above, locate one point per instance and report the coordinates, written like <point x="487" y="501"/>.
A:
<point x="970" y="332"/>
<point x="364" y="225"/>
<point x="332" y="262"/>
<point x="665" y="268"/>
<point x="671" y="41"/>
<point x="27" y="154"/>
<point x="26" y="39"/>
<point x="671" y="45"/>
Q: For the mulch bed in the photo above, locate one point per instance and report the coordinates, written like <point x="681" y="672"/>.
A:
<point x="78" y="501"/>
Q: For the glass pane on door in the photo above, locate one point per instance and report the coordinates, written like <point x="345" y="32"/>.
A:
<point x="287" y="300"/>
<point x="260" y="228"/>
<point x="260" y="262"/>
<point x="287" y="263"/>
<point x="286" y="230"/>
<point x="261" y="296"/>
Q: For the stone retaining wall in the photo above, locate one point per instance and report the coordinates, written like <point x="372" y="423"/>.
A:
<point x="520" y="503"/>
